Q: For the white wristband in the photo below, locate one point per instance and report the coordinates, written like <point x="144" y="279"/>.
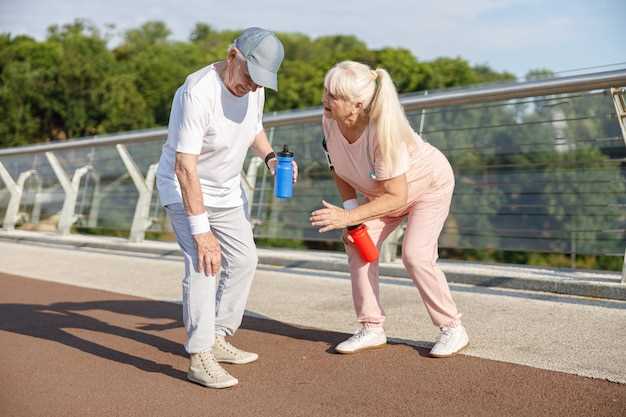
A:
<point x="199" y="223"/>
<point x="350" y="204"/>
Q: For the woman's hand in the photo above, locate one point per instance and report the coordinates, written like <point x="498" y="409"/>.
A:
<point x="330" y="217"/>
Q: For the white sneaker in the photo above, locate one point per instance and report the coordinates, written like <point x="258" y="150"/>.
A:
<point x="204" y="370"/>
<point x="451" y="341"/>
<point x="227" y="353"/>
<point x="363" y="339"/>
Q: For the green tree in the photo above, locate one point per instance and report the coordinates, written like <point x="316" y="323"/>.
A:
<point x="83" y="65"/>
<point x="72" y="85"/>
<point x="122" y="108"/>
<point x="407" y="74"/>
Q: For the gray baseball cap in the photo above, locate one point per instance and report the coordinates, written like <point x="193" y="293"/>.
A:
<point x="264" y="53"/>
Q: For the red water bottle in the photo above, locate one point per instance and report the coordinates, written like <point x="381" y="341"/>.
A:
<point x="363" y="242"/>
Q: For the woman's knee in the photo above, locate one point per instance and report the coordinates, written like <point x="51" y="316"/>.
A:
<point x="417" y="262"/>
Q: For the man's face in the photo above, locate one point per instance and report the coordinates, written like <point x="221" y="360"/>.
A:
<point x="239" y="83"/>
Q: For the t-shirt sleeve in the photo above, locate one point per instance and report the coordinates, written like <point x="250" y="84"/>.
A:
<point x="261" y="99"/>
<point x="191" y="123"/>
<point x="401" y="165"/>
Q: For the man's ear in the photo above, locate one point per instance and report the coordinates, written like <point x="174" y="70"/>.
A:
<point x="232" y="54"/>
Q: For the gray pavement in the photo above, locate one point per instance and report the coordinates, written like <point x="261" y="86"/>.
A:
<point x="599" y="284"/>
<point x="577" y="335"/>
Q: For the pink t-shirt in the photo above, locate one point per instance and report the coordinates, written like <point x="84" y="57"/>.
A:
<point x="352" y="164"/>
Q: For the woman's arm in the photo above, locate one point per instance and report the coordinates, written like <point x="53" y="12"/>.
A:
<point x="332" y="217"/>
<point x="393" y="198"/>
<point x="345" y="190"/>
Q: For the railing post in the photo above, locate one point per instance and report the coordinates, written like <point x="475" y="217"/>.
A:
<point x="624" y="269"/>
<point x="141" y="220"/>
<point x="422" y="116"/>
<point x="94" y="205"/>
<point x="620" y="109"/>
<point x="98" y="195"/>
<point x="16" y="191"/>
<point x="68" y="216"/>
<point x="36" y="213"/>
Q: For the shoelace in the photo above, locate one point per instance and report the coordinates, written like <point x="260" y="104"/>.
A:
<point x="446" y="333"/>
<point x="210" y="365"/>
<point x="359" y="333"/>
<point x="228" y="347"/>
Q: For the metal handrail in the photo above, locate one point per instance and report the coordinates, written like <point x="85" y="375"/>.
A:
<point x="571" y="84"/>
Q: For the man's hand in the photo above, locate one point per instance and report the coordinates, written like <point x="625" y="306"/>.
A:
<point x="209" y="254"/>
<point x="271" y="164"/>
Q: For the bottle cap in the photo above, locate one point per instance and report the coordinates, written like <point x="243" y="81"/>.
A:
<point x="285" y="153"/>
<point x="356" y="226"/>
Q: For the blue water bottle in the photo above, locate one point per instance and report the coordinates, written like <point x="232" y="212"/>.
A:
<point x="283" y="178"/>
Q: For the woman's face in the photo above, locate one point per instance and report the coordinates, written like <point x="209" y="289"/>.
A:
<point x="337" y="108"/>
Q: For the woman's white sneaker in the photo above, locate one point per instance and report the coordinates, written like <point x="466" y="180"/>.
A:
<point x="451" y="341"/>
<point x="363" y="339"/>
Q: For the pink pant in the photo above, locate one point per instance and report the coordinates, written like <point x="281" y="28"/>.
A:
<point x="426" y="218"/>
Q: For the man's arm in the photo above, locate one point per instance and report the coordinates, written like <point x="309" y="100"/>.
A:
<point x="261" y="146"/>
<point x="187" y="174"/>
<point x="209" y="255"/>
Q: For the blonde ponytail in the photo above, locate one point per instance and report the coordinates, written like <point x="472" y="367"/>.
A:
<point x="392" y="126"/>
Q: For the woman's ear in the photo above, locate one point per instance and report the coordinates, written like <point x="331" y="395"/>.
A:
<point x="358" y="107"/>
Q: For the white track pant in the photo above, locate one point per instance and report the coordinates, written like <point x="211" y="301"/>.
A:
<point x="215" y="306"/>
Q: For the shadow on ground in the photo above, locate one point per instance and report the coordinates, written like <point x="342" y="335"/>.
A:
<point x="52" y="322"/>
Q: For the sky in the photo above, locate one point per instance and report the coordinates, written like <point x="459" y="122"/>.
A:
<point x="507" y="35"/>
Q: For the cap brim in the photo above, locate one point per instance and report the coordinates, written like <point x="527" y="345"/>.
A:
<point x="263" y="77"/>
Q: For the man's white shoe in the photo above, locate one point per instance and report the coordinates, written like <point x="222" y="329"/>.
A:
<point x="451" y="341"/>
<point x="204" y="370"/>
<point x="363" y="339"/>
<point x="227" y="353"/>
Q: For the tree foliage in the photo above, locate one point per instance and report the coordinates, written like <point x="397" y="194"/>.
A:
<point x="72" y="84"/>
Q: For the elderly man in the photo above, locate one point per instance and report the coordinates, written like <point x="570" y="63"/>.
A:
<point x="216" y="117"/>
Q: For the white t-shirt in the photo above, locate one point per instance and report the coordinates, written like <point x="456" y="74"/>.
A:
<point x="209" y="121"/>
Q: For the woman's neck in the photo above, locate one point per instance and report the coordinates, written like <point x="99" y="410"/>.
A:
<point x="353" y="131"/>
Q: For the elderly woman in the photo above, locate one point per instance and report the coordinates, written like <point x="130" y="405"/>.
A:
<point x="374" y="150"/>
